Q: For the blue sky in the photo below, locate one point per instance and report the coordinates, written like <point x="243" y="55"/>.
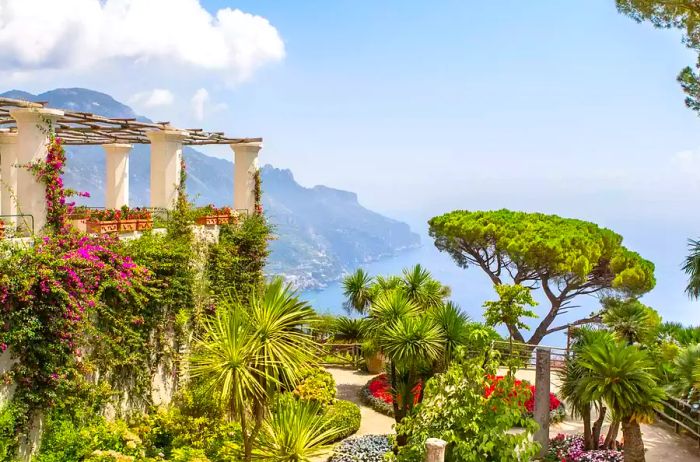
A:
<point x="423" y="107"/>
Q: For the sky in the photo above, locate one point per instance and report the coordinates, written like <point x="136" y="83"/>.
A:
<point x="419" y="107"/>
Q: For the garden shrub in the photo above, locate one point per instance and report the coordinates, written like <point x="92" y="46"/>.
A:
<point x="377" y="394"/>
<point x="316" y="385"/>
<point x="344" y="415"/>
<point x="366" y="448"/>
<point x="235" y="264"/>
<point x="475" y="426"/>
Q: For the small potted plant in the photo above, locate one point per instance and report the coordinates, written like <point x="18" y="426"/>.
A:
<point x="127" y="220"/>
<point x="103" y="221"/>
<point x="374" y="359"/>
<point x="2" y="229"/>
<point x="144" y="219"/>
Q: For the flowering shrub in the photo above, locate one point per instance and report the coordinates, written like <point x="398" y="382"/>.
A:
<point x="556" y="407"/>
<point x="367" y="448"/>
<point x="316" y="385"/>
<point x="569" y="448"/>
<point x="377" y="393"/>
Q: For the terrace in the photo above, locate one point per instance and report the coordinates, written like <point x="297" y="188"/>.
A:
<point x="24" y="133"/>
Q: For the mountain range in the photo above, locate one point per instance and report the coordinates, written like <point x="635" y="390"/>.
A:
<point x="321" y="232"/>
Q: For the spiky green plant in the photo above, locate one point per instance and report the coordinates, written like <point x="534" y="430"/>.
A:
<point x="349" y="329"/>
<point x="631" y="320"/>
<point x="686" y="371"/>
<point x="620" y="375"/>
<point x="295" y="431"/>
<point x="247" y="352"/>
<point x="357" y="291"/>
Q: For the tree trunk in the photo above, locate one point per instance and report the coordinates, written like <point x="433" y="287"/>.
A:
<point x="611" y="439"/>
<point x="587" y="434"/>
<point x="634" y="445"/>
<point x="545" y="324"/>
<point x="597" y="427"/>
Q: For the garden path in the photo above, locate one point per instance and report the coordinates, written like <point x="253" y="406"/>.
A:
<point x="349" y="383"/>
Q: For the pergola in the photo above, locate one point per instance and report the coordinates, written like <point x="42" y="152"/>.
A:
<point x="24" y="130"/>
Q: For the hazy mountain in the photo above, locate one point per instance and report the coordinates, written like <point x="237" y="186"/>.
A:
<point x="322" y="232"/>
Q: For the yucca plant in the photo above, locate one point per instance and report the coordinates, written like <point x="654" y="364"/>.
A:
<point x="357" y="291"/>
<point x="350" y="330"/>
<point x="295" y="431"/>
<point x="620" y="375"/>
<point x="248" y="352"/>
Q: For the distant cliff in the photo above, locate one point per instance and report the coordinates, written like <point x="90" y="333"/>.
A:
<point x="321" y="232"/>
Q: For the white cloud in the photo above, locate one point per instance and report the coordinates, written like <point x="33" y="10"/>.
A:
<point x="75" y="35"/>
<point x="154" y="98"/>
<point x="199" y="100"/>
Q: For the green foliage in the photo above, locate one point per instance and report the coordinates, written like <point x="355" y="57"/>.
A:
<point x="351" y="330"/>
<point x="295" y="431"/>
<point x="683" y="335"/>
<point x="685" y="372"/>
<point x="344" y="416"/>
<point x="563" y="256"/>
<point x="622" y="376"/>
<point x="250" y="351"/>
<point x="357" y="291"/>
<point x="316" y="385"/>
<point x="235" y="264"/>
<point x="475" y="427"/>
<point x="631" y="320"/>
<point x="679" y="14"/>
<point x="509" y="309"/>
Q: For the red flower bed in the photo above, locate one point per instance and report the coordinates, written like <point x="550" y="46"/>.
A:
<point x="380" y="388"/>
<point x="492" y="382"/>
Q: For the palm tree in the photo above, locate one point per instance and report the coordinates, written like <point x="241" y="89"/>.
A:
<point x="620" y="375"/>
<point x="296" y="431"/>
<point x="454" y="326"/>
<point x="349" y="329"/>
<point x="357" y="291"/>
<point x="685" y="371"/>
<point x="692" y="269"/>
<point x="580" y="405"/>
<point x="248" y="352"/>
<point x="631" y="320"/>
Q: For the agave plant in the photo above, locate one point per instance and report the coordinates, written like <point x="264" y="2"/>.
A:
<point x="249" y="351"/>
<point x="295" y="431"/>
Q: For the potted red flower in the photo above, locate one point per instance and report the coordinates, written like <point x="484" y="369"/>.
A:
<point x="144" y="219"/>
<point x="79" y="217"/>
<point x="103" y="221"/>
<point x="2" y="229"/>
<point x="223" y="216"/>
<point x="127" y="220"/>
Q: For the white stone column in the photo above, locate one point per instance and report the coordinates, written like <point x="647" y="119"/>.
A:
<point x="116" y="175"/>
<point x="166" y="155"/>
<point x="33" y="125"/>
<point x="245" y="164"/>
<point x="8" y="173"/>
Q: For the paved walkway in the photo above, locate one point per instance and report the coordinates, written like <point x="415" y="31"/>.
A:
<point x="349" y="384"/>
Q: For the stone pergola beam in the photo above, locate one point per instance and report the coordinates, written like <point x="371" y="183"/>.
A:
<point x="8" y="174"/>
<point x="33" y="129"/>
<point x="166" y="157"/>
<point x="116" y="175"/>
<point x="245" y="166"/>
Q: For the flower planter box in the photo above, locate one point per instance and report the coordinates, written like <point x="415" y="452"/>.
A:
<point x="127" y="226"/>
<point x="144" y="225"/>
<point x="223" y="219"/>
<point x="102" y="227"/>
<point x="209" y="220"/>
<point x="79" y="224"/>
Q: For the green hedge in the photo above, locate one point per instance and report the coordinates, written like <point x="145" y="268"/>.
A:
<point x="346" y="415"/>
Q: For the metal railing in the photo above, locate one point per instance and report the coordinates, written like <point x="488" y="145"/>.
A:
<point x="18" y="226"/>
<point x="344" y="354"/>
<point x="524" y="353"/>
